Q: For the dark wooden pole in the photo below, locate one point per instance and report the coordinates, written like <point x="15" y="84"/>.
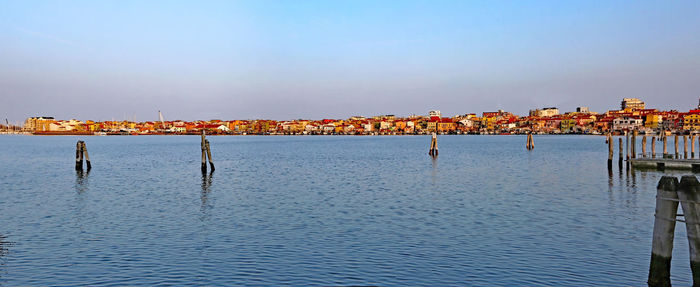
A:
<point x="692" y="146"/>
<point x="688" y="193"/>
<point x="644" y="145"/>
<point x="204" y="156"/>
<point x="78" y="156"/>
<point x="627" y="144"/>
<point x="664" y="226"/>
<point x="211" y="161"/>
<point x="675" y="143"/>
<point x="653" y="147"/>
<point x="633" y="150"/>
<point x="621" y="152"/>
<point x="685" y="146"/>
<point x="610" y="152"/>
<point x="665" y="146"/>
<point x="87" y="156"/>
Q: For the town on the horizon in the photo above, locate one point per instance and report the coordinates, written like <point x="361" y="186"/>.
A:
<point x="632" y="115"/>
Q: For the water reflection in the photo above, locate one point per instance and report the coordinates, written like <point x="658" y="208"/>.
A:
<point x="4" y="250"/>
<point x="204" y="196"/>
<point x="434" y="172"/>
<point x="81" y="181"/>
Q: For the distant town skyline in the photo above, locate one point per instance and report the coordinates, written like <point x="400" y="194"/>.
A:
<point x="306" y="59"/>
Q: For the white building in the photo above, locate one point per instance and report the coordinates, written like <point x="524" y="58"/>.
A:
<point x="435" y="113"/>
<point x="544" y="112"/>
<point x="627" y="123"/>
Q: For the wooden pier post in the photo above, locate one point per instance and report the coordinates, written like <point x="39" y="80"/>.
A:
<point x="685" y="149"/>
<point x="692" y="146"/>
<point x="644" y="146"/>
<point x="653" y="147"/>
<point x="78" y="156"/>
<point x="634" y="144"/>
<point x="665" y="144"/>
<point x="211" y="161"/>
<point x="688" y="194"/>
<point x="433" y="146"/>
<point x="87" y="156"/>
<point x="204" y="156"/>
<point x="675" y="143"/>
<point x="621" y="153"/>
<point x="610" y="152"/>
<point x="627" y="144"/>
<point x="664" y="226"/>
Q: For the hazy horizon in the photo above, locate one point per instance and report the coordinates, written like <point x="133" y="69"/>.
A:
<point x="334" y="59"/>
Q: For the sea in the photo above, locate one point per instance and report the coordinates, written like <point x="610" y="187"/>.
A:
<point x="327" y="211"/>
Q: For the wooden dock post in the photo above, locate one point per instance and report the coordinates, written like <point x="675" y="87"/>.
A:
<point x="665" y="145"/>
<point x="433" y="146"/>
<point x="653" y="147"/>
<point x="627" y="144"/>
<point x="204" y="155"/>
<point x="634" y="144"/>
<point x="675" y="143"/>
<point x="78" y="156"/>
<point x="211" y="161"/>
<point x="692" y="146"/>
<point x="621" y="153"/>
<point x="644" y="145"/>
<point x="610" y="152"/>
<point x="688" y="194"/>
<point x="685" y="149"/>
<point x="87" y="156"/>
<point x="664" y="226"/>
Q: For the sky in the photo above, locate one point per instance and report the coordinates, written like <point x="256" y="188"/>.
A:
<point x="104" y="60"/>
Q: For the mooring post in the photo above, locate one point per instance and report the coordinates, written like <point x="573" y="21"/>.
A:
<point x="627" y="144"/>
<point x="675" y="143"/>
<point x="664" y="226"/>
<point x="644" y="145"/>
<point x="211" y="161"/>
<point x="621" y="153"/>
<point x="433" y="146"/>
<point x="692" y="146"/>
<point x="78" y="156"/>
<point x="527" y="142"/>
<point x="665" y="146"/>
<point x="610" y="152"/>
<point x="685" y="148"/>
<point x="634" y="144"/>
<point x="87" y="156"/>
<point x="653" y="147"/>
<point x="204" y="159"/>
<point x="688" y="190"/>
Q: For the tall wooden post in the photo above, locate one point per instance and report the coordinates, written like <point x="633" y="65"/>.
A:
<point x="692" y="146"/>
<point x="644" y="145"/>
<point x="688" y="193"/>
<point x="78" y="156"/>
<point x="685" y="149"/>
<point x="610" y="152"/>
<point x="634" y="144"/>
<point x="87" y="156"/>
<point x="204" y="156"/>
<point x="653" y="147"/>
<point x="211" y="161"/>
<point x="665" y="146"/>
<point x="675" y="143"/>
<point x="621" y="152"/>
<point x="664" y="226"/>
<point x="433" y="146"/>
<point x="627" y="144"/>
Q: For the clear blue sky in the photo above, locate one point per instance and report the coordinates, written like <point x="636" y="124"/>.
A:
<point x="333" y="59"/>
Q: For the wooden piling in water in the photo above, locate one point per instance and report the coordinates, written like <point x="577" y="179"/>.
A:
<point x="675" y="143"/>
<point x="78" y="156"/>
<point x="653" y="147"/>
<point x="211" y="161"/>
<point x="692" y="146"/>
<point x="685" y="146"/>
<point x="610" y="152"/>
<point x="621" y="153"/>
<point x="204" y="155"/>
<point x="688" y="194"/>
<point x="665" y="146"/>
<point x="627" y="144"/>
<point x="634" y="144"/>
<point x="664" y="226"/>
<point x="644" y="146"/>
<point x="87" y="156"/>
<point x="433" y="146"/>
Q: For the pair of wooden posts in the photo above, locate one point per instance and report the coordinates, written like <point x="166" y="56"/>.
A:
<point x="530" y="142"/>
<point x="433" y="146"/>
<point x="610" y="151"/>
<point x="670" y="192"/>
<point x="206" y="152"/>
<point x="80" y="151"/>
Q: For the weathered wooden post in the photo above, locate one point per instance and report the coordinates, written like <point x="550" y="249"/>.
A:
<point x="688" y="194"/>
<point x="664" y="226"/>
<point x="653" y="147"/>
<point x="211" y="161"/>
<point x="627" y="144"/>
<point x="78" y="156"/>
<point x="692" y="146"/>
<point x="433" y="146"/>
<point x="610" y="152"/>
<point x="621" y="153"/>
<point x="665" y="145"/>
<point x="634" y="144"/>
<point x="675" y="143"/>
<point x="87" y="156"/>
<point x="204" y="155"/>
<point x="644" y="145"/>
<point x="685" y="149"/>
<point x="532" y="141"/>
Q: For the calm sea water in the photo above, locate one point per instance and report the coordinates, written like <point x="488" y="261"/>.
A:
<point x="326" y="210"/>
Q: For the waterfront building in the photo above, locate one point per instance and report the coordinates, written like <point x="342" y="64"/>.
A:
<point x="583" y="110"/>
<point x="631" y="104"/>
<point x="544" y="112"/>
<point x="38" y="124"/>
<point x="434" y="113"/>
<point x="627" y="123"/>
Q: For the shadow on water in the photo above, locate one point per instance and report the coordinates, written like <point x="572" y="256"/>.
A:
<point x="4" y="251"/>
<point x="81" y="181"/>
<point x="204" y="197"/>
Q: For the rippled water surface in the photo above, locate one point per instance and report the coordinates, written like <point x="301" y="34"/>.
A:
<point x="326" y="210"/>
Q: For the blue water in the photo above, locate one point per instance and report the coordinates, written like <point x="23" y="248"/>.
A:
<point x="326" y="210"/>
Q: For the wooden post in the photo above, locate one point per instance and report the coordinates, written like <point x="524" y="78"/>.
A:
<point x="664" y="226"/>
<point x="688" y="193"/>
<point x="204" y="156"/>
<point x="675" y="143"/>
<point x="644" y="146"/>
<point x="433" y="146"/>
<point x="532" y="141"/>
<point x="665" y="144"/>
<point x="87" y="156"/>
<point x="692" y="146"/>
<point x="627" y="144"/>
<point x="527" y="142"/>
<point x="621" y="152"/>
<point x="610" y="152"/>
<point x="634" y="144"/>
<point x="685" y="149"/>
<point x="653" y="147"/>
<point x="211" y="162"/>
<point x="78" y="156"/>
